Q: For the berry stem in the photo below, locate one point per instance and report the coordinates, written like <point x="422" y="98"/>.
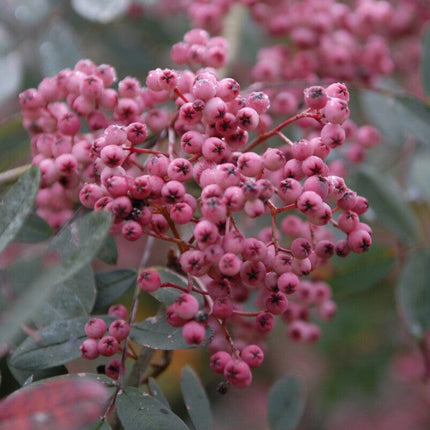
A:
<point x="305" y="114"/>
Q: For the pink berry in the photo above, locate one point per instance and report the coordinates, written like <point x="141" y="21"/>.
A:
<point x="315" y="97"/>
<point x="113" y="368"/>
<point x="118" y="311"/>
<point x="252" y="355"/>
<point x="238" y="373"/>
<point x="218" y="360"/>
<point x="89" y="349"/>
<point x="107" y="346"/>
<point x="186" y="306"/>
<point x="149" y="280"/>
<point x="119" y="329"/>
<point x="193" y="332"/>
<point x="95" y="328"/>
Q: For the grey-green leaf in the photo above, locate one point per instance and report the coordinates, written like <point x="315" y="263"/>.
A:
<point x="35" y="229"/>
<point x="113" y="284"/>
<point x="414" y="115"/>
<point x="285" y="404"/>
<point x="53" y="345"/>
<point x="17" y="205"/>
<point x="196" y="400"/>
<point x="109" y="251"/>
<point x="386" y="199"/>
<point x="425" y="62"/>
<point x="156" y="333"/>
<point x="101" y="425"/>
<point x="157" y="393"/>
<point x="360" y="272"/>
<point x="72" y="298"/>
<point x="137" y="411"/>
<point x="27" y="285"/>
<point x="413" y="293"/>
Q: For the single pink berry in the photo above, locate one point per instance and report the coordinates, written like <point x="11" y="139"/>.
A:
<point x="218" y="361"/>
<point x="118" y="311"/>
<point x="276" y="303"/>
<point x="89" y="349"/>
<point x="238" y="373"/>
<point x="193" y="332"/>
<point x="113" y="368"/>
<point x="95" y="328"/>
<point x="119" y="329"/>
<point x="107" y="346"/>
<point x="252" y="355"/>
<point x="149" y="280"/>
<point x="222" y="307"/>
<point x="186" y="306"/>
<point x="315" y="97"/>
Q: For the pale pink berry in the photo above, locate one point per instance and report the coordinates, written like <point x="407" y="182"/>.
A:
<point x="218" y="360"/>
<point x="89" y="349"/>
<point x="315" y="97"/>
<point x="113" y="368"/>
<point x="238" y="373"/>
<point x="252" y="355"/>
<point x="265" y="322"/>
<point x="193" y="332"/>
<point x="107" y="346"/>
<point x="359" y="241"/>
<point x="186" y="306"/>
<point x="119" y="329"/>
<point x="287" y="282"/>
<point x="118" y="311"/>
<point x="276" y="303"/>
<point x="132" y="230"/>
<point x="222" y="307"/>
<point x="95" y="328"/>
<point x="149" y="280"/>
<point x="69" y="124"/>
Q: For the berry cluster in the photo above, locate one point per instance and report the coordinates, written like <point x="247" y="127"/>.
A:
<point x="327" y="39"/>
<point x="98" y="343"/>
<point x="203" y="162"/>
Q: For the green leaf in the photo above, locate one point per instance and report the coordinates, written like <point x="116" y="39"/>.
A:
<point x="413" y="293"/>
<point x="196" y="400"/>
<point x="137" y="411"/>
<point x="26" y="285"/>
<point x="53" y="345"/>
<point x="25" y="376"/>
<point x="156" y="392"/>
<point x="359" y="272"/>
<point x="109" y="251"/>
<point x="17" y="205"/>
<point x="380" y="111"/>
<point x="414" y="115"/>
<point x="35" y="229"/>
<point x="72" y="298"/>
<point x="167" y="295"/>
<point x="397" y="116"/>
<point x="425" y="62"/>
<point x="285" y="404"/>
<point x="420" y="174"/>
<point x="156" y="333"/>
<point x="101" y="425"/>
<point x="113" y="284"/>
<point x="385" y="198"/>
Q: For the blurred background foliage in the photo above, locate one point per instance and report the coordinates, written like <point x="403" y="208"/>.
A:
<point x="367" y="362"/>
